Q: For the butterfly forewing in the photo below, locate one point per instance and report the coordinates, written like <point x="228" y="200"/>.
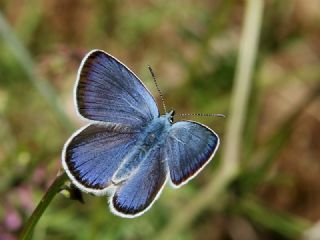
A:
<point x="108" y="91"/>
<point x="188" y="148"/>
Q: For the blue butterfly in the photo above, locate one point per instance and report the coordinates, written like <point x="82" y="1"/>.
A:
<point x="128" y="150"/>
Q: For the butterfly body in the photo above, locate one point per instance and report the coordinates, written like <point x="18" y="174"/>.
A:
<point x="128" y="150"/>
<point x="153" y="136"/>
<point x="156" y="132"/>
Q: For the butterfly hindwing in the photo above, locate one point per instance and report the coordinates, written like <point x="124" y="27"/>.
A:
<point x="188" y="148"/>
<point x="135" y="195"/>
<point x="108" y="91"/>
<point x="94" y="153"/>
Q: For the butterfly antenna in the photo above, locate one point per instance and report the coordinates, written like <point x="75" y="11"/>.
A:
<point x="201" y="114"/>
<point x="159" y="91"/>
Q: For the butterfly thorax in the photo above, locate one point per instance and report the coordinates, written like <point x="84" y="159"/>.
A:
<point x="153" y="136"/>
<point x="155" y="133"/>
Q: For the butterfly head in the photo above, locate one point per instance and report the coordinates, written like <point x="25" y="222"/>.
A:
<point x="170" y="116"/>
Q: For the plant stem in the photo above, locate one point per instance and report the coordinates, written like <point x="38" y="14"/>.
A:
<point x="231" y="154"/>
<point x="54" y="188"/>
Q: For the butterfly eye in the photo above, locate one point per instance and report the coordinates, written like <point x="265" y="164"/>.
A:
<point x="171" y="119"/>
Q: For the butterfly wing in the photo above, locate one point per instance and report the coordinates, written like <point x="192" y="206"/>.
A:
<point x="189" y="147"/>
<point x="93" y="154"/>
<point x="136" y="195"/>
<point x="108" y="91"/>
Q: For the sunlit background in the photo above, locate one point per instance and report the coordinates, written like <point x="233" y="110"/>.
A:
<point x="193" y="48"/>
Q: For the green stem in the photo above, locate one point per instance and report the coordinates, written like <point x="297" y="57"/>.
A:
<point x="54" y="188"/>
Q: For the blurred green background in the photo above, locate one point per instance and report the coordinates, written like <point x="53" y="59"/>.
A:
<point x="193" y="47"/>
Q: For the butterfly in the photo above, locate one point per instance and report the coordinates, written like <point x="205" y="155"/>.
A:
<point x="128" y="150"/>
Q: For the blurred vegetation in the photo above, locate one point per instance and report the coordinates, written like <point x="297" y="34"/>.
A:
<point x="193" y="48"/>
